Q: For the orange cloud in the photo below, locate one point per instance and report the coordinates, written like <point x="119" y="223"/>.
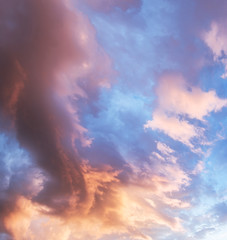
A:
<point x="109" y="207"/>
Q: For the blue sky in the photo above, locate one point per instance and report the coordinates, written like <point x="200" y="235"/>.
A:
<point x="113" y="120"/>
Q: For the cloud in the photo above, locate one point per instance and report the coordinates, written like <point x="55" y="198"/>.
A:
<point x="163" y="148"/>
<point x="73" y="152"/>
<point x="180" y="130"/>
<point x="177" y="103"/>
<point x="198" y="168"/>
<point x="176" y="96"/>
<point x="49" y="59"/>
<point x="216" y="39"/>
<point x="110" y="207"/>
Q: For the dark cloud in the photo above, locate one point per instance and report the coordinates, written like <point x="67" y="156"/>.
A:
<point x="43" y="44"/>
<point x="49" y="59"/>
<point x="38" y="41"/>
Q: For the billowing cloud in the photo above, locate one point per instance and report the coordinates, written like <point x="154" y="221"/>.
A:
<point x="48" y="56"/>
<point x="79" y="83"/>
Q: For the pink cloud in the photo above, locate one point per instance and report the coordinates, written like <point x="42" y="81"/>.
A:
<point x="216" y="39"/>
<point x="177" y="97"/>
<point x="111" y="207"/>
<point x="176" y="102"/>
<point x="163" y="148"/>
<point x="180" y="130"/>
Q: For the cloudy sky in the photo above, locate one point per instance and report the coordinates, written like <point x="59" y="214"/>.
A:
<point x="113" y="119"/>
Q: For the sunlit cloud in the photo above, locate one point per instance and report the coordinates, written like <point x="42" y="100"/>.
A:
<point x="177" y="103"/>
<point x="215" y="39"/>
<point x="112" y="120"/>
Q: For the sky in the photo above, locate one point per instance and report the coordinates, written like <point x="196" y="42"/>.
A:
<point x="113" y="119"/>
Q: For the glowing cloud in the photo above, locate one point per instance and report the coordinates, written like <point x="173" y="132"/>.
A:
<point x="177" y="102"/>
<point x="112" y="119"/>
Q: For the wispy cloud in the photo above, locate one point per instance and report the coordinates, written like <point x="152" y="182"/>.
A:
<point x="177" y="104"/>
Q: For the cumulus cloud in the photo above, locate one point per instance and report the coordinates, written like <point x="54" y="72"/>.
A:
<point x="177" y="96"/>
<point x="73" y="153"/>
<point x="177" y="103"/>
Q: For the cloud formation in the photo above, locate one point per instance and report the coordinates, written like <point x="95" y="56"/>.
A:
<point x="111" y="117"/>
<point x="177" y="103"/>
<point x="215" y="39"/>
<point x="48" y="56"/>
